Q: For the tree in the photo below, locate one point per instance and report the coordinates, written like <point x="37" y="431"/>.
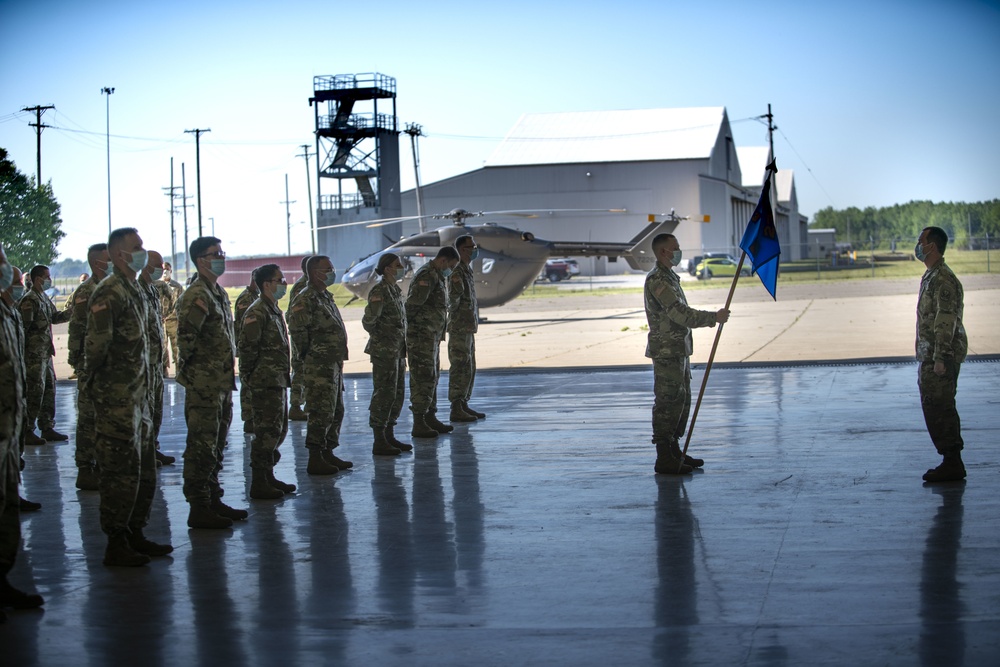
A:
<point x="29" y="217"/>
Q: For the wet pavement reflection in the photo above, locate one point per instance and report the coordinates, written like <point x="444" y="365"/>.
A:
<point x="541" y="536"/>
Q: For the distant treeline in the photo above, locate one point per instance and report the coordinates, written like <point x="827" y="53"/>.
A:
<point x="903" y="222"/>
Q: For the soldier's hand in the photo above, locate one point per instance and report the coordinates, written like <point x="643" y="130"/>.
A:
<point x="721" y="316"/>
<point x="939" y="368"/>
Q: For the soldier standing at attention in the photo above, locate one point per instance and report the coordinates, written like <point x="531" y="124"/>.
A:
<point x="941" y="349"/>
<point x="265" y="370"/>
<point x="385" y="322"/>
<point x="117" y="370"/>
<point x="86" y="458"/>
<point x="320" y="341"/>
<point x="243" y="301"/>
<point x="38" y="314"/>
<point x="298" y="394"/>
<point x="463" y="323"/>
<point x="426" y="318"/>
<point x="11" y="423"/>
<point x="206" y="370"/>
<point x="150" y="275"/>
<point x="669" y="345"/>
<point x="170" y="291"/>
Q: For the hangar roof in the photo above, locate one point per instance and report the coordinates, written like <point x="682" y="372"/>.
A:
<point x="753" y="159"/>
<point x="632" y="135"/>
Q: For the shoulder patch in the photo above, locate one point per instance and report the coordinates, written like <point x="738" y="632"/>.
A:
<point x="249" y="319"/>
<point x="98" y="307"/>
<point x="456" y="277"/>
<point x="81" y="299"/>
<point x="659" y="289"/>
<point x="201" y="304"/>
<point x="375" y="297"/>
<point x="423" y="283"/>
<point x="297" y="307"/>
<point x="25" y="305"/>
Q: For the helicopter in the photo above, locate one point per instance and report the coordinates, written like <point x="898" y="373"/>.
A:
<point x="509" y="259"/>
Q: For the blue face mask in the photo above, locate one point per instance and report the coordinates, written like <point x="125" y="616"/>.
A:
<point x="446" y="272"/>
<point x="331" y="279"/>
<point x="6" y="276"/>
<point x="279" y="291"/>
<point x="676" y="259"/>
<point x="217" y="266"/>
<point x="17" y="291"/>
<point x="156" y="274"/>
<point x="137" y="260"/>
<point x="46" y="284"/>
<point x="919" y="252"/>
<point x="474" y="256"/>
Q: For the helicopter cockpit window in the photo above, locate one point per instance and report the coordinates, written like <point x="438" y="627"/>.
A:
<point x="432" y="238"/>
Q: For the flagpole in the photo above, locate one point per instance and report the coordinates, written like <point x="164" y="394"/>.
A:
<point x="711" y="358"/>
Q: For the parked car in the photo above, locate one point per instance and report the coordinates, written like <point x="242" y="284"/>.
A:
<point x="720" y="266"/>
<point x="560" y="269"/>
<point x="698" y="259"/>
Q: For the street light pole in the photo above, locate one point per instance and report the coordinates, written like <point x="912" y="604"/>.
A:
<point x="108" y="91"/>
<point x="197" y="168"/>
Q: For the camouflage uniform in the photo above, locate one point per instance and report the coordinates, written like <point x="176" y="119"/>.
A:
<point x="298" y="394"/>
<point x="426" y="318"/>
<point x="170" y="293"/>
<point x="385" y="321"/>
<point x="463" y="323"/>
<point x="320" y="341"/>
<point x="154" y="334"/>
<point x="12" y="402"/>
<point x="941" y="337"/>
<point x="265" y="371"/>
<point x="669" y="345"/>
<point x="85" y="417"/>
<point x="243" y="302"/>
<point x="38" y="314"/>
<point x="118" y="378"/>
<point x="206" y="371"/>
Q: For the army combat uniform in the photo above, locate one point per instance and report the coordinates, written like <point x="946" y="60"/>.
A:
<point x="155" y="339"/>
<point x="463" y="323"/>
<point x="243" y="302"/>
<point x="12" y="402"/>
<point x="385" y="322"/>
<point x="941" y="337"/>
<point x="320" y="341"/>
<point x="265" y="370"/>
<point x="669" y="345"/>
<point x="426" y="319"/>
<point x="298" y="393"/>
<point x="206" y="370"/>
<point x="118" y="378"/>
<point x="38" y="314"/>
<point x="170" y="293"/>
<point x="86" y="458"/>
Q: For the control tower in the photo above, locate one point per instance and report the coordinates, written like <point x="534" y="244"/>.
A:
<point x="357" y="166"/>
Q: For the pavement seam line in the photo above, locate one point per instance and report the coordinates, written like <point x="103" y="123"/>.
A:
<point x="780" y="333"/>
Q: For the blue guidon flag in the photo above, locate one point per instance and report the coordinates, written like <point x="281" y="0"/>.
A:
<point x="760" y="240"/>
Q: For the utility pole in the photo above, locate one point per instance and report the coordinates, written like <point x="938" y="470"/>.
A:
<point x="187" y="244"/>
<point x="173" y="234"/>
<point x="39" y="110"/>
<point x="415" y="131"/>
<point x="197" y="167"/>
<point x="288" y="216"/>
<point x="312" y="223"/>
<point x="108" y="91"/>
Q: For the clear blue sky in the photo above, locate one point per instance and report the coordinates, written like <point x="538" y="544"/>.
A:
<point x="876" y="103"/>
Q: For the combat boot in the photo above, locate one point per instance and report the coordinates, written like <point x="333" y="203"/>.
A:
<point x="297" y="414"/>
<point x="318" y="465"/>
<point x="334" y="459"/>
<point x="278" y="484"/>
<point x="669" y="462"/>
<point x="431" y="419"/>
<point x="458" y="413"/>
<point x="141" y="545"/>
<point x="200" y="516"/>
<point x="260" y="486"/>
<point x="120" y="554"/>
<point x="381" y="446"/>
<point x="231" y="513"/>
<point x="87" y="478"/>
<point x="164" y="459"/>
<point x="25" y="505"/>
<point x="675" y="453"/>
<point x="421" y="429"/>
<point x="474" y="413"/>
<point x="390" y="436"/>
<point x="17" y="599"/>
<point x="952" y="469"/>
<point x="31" y="438"/>
<point x="52" y="435"/>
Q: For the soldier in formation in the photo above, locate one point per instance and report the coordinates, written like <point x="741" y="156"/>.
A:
<point x="150" y="275"/>
<point x="385" y="322"/>
<point x="118" y="377"/>
<point x="265" y="372"/>
<point x="426" y="319"/>
<point x="320" y="342"/>
<point x="38" y="314"/>
<point x="463" y="323"/>
<point x="86" y="457"/>
<point x="206" y="370"/>
<point x="170" y="292"/>
<point x="243" y="301"/>
<point x="296" y="410"/>
<point x="12" y="406"/>
<point x="669" y="345"/>
<point x="941" y="348"/>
